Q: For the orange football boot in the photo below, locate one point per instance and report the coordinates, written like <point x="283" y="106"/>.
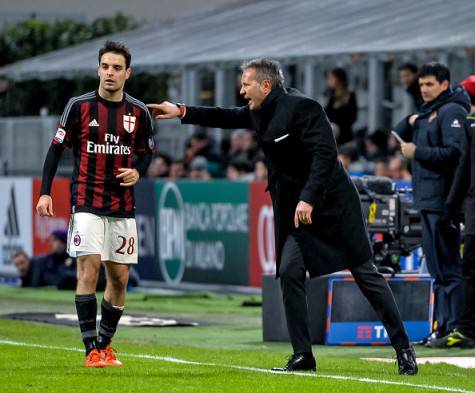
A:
<point x="109" y="357"/>
<point x="94" y="359"/>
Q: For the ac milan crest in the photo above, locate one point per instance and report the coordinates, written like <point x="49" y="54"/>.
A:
<point x="77" y="240"/>
<point x="129" y="123"/>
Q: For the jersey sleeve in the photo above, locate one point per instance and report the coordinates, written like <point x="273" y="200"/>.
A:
<point x="63" y="136"/>
<point x="146" y="140"/>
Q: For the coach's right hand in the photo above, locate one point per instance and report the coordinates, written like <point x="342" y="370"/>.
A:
<point x="45" y="206"/>
<point x="165" y="110"/>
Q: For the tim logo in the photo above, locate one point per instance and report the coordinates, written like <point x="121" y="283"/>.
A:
<point x="364" y="332"/>
<point x="368" y="332"/>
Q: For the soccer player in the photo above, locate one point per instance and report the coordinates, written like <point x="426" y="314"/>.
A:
<point x="111" y="134"/>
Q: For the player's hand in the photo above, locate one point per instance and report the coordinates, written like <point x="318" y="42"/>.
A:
<point x="165" y="110"/>
<point x="129" y="176"/>
<point x="303" y="214"/>
<point x="44" y="207"/>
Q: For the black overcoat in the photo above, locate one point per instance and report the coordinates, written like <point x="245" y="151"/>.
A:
<point x="301" y="155"/>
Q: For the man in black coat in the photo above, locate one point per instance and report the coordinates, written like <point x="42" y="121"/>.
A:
<point x="437" y="134"/>
<point x="319" y="225"/>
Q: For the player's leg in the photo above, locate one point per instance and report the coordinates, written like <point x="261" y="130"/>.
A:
<point x="88" y="267"/>
<point x="112" y="307"/>
<point x="377" y="291"/>
<point x="121" y="252"/>
<point x="85" y="243"/>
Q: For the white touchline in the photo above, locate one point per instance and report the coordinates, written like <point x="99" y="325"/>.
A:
<point x="245" y="368"/>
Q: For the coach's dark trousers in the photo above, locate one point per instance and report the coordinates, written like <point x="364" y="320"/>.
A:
<point x="441" y="245"/>
<point x="373" y="285"/>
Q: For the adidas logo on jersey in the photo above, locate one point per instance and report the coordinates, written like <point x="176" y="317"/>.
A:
<point x="94" y="123"/>
<point x="455" y="124"/>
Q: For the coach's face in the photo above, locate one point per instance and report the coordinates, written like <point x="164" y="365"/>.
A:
<point x="252" y="90"/>
<point x="112" y="72"/>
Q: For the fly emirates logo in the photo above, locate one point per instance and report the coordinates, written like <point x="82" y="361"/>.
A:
<point x="110" y="147"/>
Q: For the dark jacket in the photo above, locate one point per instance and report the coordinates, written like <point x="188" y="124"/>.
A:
<point x="464" y="181"/>
<point x="301" y="154"/>
<point x="54" y="269"/>
<point x="343" y="116"/>
<point x="438" y="134"/>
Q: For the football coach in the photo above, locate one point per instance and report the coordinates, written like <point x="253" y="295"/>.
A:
<point x="319" y="225"/>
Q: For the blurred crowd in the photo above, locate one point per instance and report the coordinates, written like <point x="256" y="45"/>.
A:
<point x="238" y="157"/>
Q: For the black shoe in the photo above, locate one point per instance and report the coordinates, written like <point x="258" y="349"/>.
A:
<point x="299" y="362"/>
<point x="406" y="361"/>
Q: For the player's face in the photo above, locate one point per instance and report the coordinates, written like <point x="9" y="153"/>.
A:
<point x="252" y="90"/>
<point x="113" y="72"/>
<point x="431" y="88"/>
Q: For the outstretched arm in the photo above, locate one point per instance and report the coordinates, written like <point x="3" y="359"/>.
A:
<point x="213" y="117"/>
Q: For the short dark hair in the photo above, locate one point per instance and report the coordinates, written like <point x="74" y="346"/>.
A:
<point x="118" y="48"/>
<point x="266" y="69"/>
<point x="165" y="157"/>
<point x="438" y="70"/>
<point x="340" y="74"/>
<point x="408" y="66"/>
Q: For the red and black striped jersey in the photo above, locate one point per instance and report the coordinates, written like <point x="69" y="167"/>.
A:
<point x="105" y="136"/>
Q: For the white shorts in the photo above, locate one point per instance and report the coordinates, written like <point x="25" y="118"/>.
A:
<point x="113" y="238"/>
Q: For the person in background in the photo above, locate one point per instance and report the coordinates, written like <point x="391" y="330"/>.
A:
<point x="56" y="268"/>
<point x="239" y="169"/>
<point x="464" y="184"/>
<point x="22" y="263"/>
<point x="341" y="108"/>
<point x="381" y="167"/>
<point x="397" y="168"/>
<point x="376" y="145"/>
<point x="178" y="170"/>
<point x="199" y="169"/>
<point x="437" y="136"/>
<point x="160" y="166"/>
<point x="346" y="154"/>
<point x="408" y="78"/>
<point x="260" y="169"/>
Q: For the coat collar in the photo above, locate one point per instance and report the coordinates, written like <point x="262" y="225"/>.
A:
<point x="270" y="101"/>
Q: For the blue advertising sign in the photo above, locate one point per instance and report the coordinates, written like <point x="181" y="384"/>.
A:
<point x="147" y="267"/>
<point x="352" y="321"/>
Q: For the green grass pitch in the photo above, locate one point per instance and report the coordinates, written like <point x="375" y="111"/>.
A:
<point x="224" y="354"/>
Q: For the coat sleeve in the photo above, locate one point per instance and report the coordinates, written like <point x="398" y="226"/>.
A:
<point x="216" y="117"/>
<point x="318" y="139"/>
<point x="404" y="129"/>
<point x="451" y="125"/>
<point x="461" y="182"/>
